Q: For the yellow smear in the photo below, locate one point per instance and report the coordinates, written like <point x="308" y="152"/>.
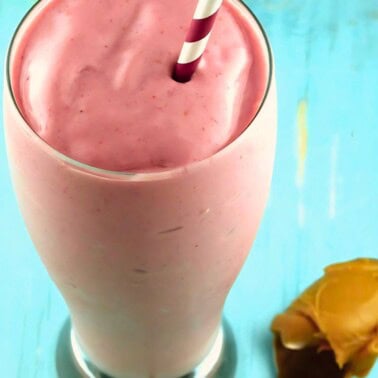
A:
<point x="302" y="141"/>
<point x="278" y="5"/>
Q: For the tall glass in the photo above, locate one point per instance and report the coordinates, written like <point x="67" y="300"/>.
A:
<point x="144" y="261"/>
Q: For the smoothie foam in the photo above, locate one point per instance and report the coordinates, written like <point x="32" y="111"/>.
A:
<point x="95" y="82"/>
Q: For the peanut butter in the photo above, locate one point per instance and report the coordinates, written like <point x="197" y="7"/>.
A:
<point x="337" y="316"/>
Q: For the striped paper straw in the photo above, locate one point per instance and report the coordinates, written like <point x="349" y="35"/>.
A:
<point x="196" y="39"/>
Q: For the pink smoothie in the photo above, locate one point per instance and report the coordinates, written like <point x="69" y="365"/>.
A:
<point x="95" y="82"/>
<point x="144" y="261"/>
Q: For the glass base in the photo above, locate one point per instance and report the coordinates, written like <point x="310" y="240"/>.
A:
<point x="219" y="363"/>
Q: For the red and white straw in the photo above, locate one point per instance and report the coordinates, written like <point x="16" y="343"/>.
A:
<point x="196" y="39"/>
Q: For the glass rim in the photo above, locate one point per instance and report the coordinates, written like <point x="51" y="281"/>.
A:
<point x="149" y="175"/>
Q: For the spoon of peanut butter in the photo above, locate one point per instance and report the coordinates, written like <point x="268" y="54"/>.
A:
<point x="331" y="330"/>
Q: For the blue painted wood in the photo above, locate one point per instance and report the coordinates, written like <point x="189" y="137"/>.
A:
<point x="324" y="200"/>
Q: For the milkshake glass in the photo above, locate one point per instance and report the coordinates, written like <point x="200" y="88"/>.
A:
<point x="144" y="261"/>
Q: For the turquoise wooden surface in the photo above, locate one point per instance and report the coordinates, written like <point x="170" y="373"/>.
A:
<point x="324" y="200"/>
